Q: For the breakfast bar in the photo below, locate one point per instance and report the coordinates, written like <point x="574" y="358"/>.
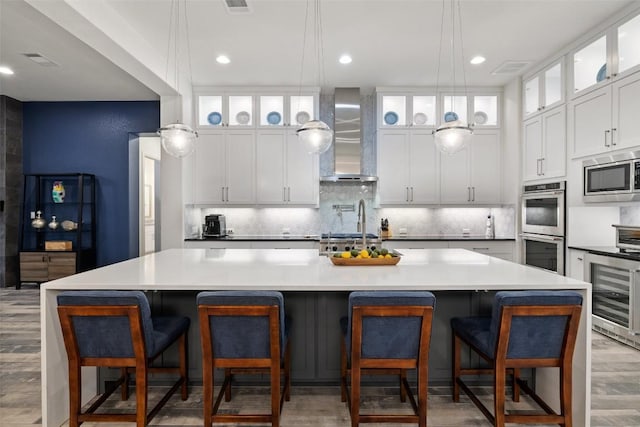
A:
<point x="172" y="277"/>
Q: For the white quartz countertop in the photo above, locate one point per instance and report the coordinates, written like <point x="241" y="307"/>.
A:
<point x="305" y="270"/>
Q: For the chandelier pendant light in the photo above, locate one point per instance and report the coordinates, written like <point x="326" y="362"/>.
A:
<point x="452" y="135"/>
<point x="178" y="139"/>
<point x="315" y="134"/>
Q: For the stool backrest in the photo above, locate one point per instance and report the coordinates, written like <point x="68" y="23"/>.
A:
<point x="389" y="337"/>
<point x="535" y="334"/>
<point x="242" y="336"/>
<point x="100" y="335"/>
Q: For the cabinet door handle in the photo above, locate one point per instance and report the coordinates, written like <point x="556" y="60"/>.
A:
<point x="613" y="136"/>
<point x="284" y="194"/>
<point x="541" y="165"/>
<point x="579" y="259"/>
<point x="222" y="188"/>
<point x="606" y="132"/>
<point x="288" y="194"/>
<point x="227" y="194"/>
<point x="407" y="190"/>
<point x="412" y="194"/>
<point x="468" y="194"/>
<point x="473" y="199"/>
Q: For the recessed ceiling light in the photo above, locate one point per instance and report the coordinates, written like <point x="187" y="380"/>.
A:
<point x="345" y="59"/>
<point x="477" y="60"/>
<point x="223" y="59"/>
<point x="6" y="70"/>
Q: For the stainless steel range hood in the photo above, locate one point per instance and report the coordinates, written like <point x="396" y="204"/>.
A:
<point x="348" y="138"/>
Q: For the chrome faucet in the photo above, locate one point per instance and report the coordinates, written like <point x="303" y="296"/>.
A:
<point x="362" y="227"/>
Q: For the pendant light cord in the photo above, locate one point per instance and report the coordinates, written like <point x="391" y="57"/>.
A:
<point x="464" y="74"/>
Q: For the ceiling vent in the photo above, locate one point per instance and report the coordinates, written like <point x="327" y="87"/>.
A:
<point x="41" y="60"/>
<point x="511" y="67"/>
<point x="237" y="6"/>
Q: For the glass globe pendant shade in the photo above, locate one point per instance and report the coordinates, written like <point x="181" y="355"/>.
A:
<point x="178" y="140"/>
<point x="316" y="136"/>
<point x="452" y="137"/>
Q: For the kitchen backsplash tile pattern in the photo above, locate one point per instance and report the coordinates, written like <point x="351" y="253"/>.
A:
<point x="630" y="215"/>
<point x="335" y="215"/>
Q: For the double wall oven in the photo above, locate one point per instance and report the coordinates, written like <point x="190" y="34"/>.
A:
<point x="543" y="226"/>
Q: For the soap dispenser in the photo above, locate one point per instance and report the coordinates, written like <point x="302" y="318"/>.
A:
<point x="489" y="231"/>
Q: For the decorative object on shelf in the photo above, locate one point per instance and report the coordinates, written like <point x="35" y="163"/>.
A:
<point x="178" y="139"/>
<point x="68" y="225"/>
<point x="273" y="118"/>
<point x="390" y="118"/>
<point x="452" y="135"/>
<point x="215" y="118"/>
<point x="602" y="73"/>
<point x="480" y="117"/>
<point x="57" y="192"/>
<point x="38" y="222"/>
<point x="302" y="117"/>
<point x="316" y="135"/>
<point x="58" y="245"/>
<point x="450" y="116"/>
<point x="243" y="117"/>
<point x="54" y="223"/>
<point x="420" y="119"/>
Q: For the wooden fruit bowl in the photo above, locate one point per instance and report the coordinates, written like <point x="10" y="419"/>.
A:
<point x="365" y="261"/>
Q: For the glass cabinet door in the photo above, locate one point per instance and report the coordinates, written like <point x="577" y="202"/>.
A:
<point x="629" y="44"/>
<point x="210" y="111"/>
<point x="272" y="110"/>
<point x="240" y="110"/>
<point x="394" y="110"/>
<point x="532" y="95"/>
<point x="456" y="104"/>
<point x="301" y="109"/>
<point x="485" y="110"/>
<point x="553" y="85"/>
<point x="424" y="110"/>
<point x="590" y="65"/>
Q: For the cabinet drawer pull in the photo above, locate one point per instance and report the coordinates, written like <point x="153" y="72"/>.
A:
<point x="579" y="259"/>
<point x="480" y="249"/>
<point x="606" y="132"/>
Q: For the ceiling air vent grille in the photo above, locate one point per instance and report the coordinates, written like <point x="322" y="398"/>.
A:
<point x="39" y="59"/>
<point x="237" y="6"/>
<point x="511" y="67"/>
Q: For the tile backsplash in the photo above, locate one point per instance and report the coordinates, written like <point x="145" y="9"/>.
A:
<point x="630" y="215"/>
<point x="338" y="213"/>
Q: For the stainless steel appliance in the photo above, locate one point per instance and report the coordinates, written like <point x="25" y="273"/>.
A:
<point x="335" y="242"/>
<point x="214" y="226"/>
<point x="543" y="226"/>
<point x="616" y="296"/>
<point x="614" y="178"/>
<point x="628" y="238"/>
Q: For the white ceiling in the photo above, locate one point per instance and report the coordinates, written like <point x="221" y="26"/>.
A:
<point x="392" y="42"/>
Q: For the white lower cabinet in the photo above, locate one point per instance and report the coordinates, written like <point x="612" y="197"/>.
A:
<point x="576" y="264"/>
<point x="544" y="145"/>
<point x="408" y="167"/>
<point x="224" y="168"/>
<point x="415" y="244"/>
<point x="473" y="175"/>
<point x="252" y="244"/>
<point x="217" y="244"/>
<point x="499" y="249"/>
<point x="286" y="173"/>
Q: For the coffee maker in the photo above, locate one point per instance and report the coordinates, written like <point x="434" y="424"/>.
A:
<point x="214" y="226"/>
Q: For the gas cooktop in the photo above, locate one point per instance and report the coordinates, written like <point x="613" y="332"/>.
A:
<point x="347" y="236"/>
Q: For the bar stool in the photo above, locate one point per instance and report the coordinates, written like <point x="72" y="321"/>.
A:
<point x="387" y="333"/>
<point x="243" y="333"/>
<point x="115" y="329"/>
<point x="527" y="329"/>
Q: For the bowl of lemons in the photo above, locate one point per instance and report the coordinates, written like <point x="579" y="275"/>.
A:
<point x="370" y="256"/>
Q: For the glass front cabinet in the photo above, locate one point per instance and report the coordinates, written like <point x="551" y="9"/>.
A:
<point x="544" y="89"/>
<point x="610" y="55"/>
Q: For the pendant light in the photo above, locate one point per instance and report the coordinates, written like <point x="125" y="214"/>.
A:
<point x="178" y="139"/>
<point x="452" y="135"/>
<point x="315" y="135"/>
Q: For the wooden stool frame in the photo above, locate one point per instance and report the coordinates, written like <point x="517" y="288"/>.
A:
<point x="370" y="366"/>
<point x="139" y="364"/>
<point x="274" y="365"/>
<point x="501" y="365"/>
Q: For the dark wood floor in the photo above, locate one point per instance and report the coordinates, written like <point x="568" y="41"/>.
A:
<point x="615" y="385"/>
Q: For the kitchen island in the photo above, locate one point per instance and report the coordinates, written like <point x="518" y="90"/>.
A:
<point x="170" y="275"/>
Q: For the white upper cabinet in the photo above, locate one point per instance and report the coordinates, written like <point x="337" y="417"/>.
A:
<point x="287" y="110"/>
<point x="408" y="167"/>
<point x="609" y="56"/>
<point x="606" y="119"/>
<point x="544" y="145"/>
<point x="473" y="175"/>
<point x="225" y="110"/>
<point x="478" y="110"/>
<point x="407" y="109"/>
<point x="544" y="89"/>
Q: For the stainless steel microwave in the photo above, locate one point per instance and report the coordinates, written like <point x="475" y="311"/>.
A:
<point x="614" y="178"/>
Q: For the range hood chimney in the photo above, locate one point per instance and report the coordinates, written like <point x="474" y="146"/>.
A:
<point x="348" y="138"/>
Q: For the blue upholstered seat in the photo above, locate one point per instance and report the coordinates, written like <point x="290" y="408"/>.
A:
<point x="531" y="337"/>
<point x="111" y="336"/>
<point x="387" y="337"/>
<point x="244" y="337"/>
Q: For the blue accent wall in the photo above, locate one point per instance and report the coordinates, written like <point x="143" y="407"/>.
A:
<point x="90" y="137"/>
